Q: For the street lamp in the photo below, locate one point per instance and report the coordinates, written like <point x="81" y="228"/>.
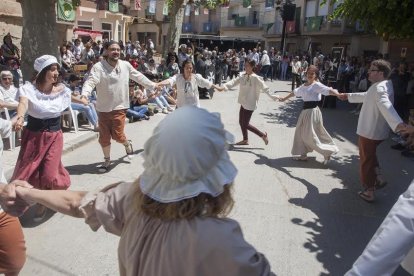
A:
<point x="287" y="11"/>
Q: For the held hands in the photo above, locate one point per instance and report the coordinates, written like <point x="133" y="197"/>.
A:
<point x="17" y="122"/>
<point x="278" y="98"/>
<point x="11" y="200"/>
<point x="342" y="96"/>
<point x="219" y="88"/>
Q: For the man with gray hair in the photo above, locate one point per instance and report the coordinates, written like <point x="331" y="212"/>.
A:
<point x="8" y="92"/>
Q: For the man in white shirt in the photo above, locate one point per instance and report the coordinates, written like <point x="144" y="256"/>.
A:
<point x="111" y="77"/>
<point x="8" y="91"/>
<point x="376" y="117"/>
<point x="265" y="63"/>
<point x="296" y="70"/>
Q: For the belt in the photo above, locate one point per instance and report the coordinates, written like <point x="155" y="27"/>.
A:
<point x="310" y="104"/>
<point x="50" y="125"/>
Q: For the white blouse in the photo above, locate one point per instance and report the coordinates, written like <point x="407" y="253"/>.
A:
<point x="250" y="88"/>
<point x="187" y="91"/>
<point x="312" y="92"/>
<point x="43" y="106"/>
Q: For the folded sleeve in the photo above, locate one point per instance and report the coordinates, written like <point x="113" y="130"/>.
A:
<point x="356" y="97"/>
<point x="107" y="207"/>
<point x="202" y="82"/>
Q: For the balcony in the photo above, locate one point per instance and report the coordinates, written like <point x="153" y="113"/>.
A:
<point x="241" y="22"/>
<point x="210" y="28"/>
<point x="187" y="28"/>
<point x="112" y="6"/>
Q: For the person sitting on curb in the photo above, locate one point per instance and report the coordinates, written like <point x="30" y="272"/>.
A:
<point x="137" y="110"/>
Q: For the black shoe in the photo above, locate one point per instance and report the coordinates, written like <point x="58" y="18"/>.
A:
<point x="398" y="147"/>
<point x="146" y="117"/>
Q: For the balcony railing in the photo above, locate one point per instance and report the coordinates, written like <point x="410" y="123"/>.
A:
<point x="112" y="6"/>
<point x="187" y="28"/>
<point x="241" y="22"/>
<point x="210" y="27"/>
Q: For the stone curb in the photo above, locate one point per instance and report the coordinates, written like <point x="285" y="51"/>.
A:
<point x="79" y="141"/>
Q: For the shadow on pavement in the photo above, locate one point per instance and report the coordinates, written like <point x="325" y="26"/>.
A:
<point x="344" y="224"/>
<point x="92" y="168"/>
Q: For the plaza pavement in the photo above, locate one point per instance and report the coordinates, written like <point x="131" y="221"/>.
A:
<point x="304" y="216"/>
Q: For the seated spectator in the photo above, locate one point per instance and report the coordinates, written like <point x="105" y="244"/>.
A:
<point x="138" y="109"/>
<point x="142" y="66"/>
<point x="13" y="67"/>
<point x="172" y="67"/>
<point x="162" y="69"/>
<point x="8" y="93"/>
<point x="77" y="49"/>
<point x="170" y="94"/>
<point x="159" y="100"/>
<point x="151" y="72"/>
<point x="67" y="58"/>
<point x="133" y="61"/>
<point x="87" y="54"/>
<point x="9" y="50"/>
<point x="81" y="102"/>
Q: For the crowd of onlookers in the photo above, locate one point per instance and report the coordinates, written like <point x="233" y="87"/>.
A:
<point x="348" y="74"/>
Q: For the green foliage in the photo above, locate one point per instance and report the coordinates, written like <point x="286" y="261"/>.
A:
<point x="76" y="3"/>
<point x="394" y="18"/>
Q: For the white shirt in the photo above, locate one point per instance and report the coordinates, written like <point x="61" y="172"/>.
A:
<point x="313" y="92"/>
<point x="5" y="131"/>
<point x="296" y="66"/>
<point x="112" y="84"/>
<point x="43" y="106"/>
<point x="250" y="88"/>
<point x="265" y="60"/>
<point x="9" y="95"/>
<point x="255" y="57"/>
<point x="392" y="241"/>
<point x="187" y="91"/>
<point x="377" y="113"/>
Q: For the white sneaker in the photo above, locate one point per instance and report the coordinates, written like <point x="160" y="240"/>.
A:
<point x="170" y="109"/>
<point x="165" y="111"/>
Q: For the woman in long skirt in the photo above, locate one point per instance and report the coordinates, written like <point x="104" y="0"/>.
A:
<point x="39" y="160"/>
<point x="310" y="134"/>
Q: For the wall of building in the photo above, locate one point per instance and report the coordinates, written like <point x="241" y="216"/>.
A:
<point x="11" y="21"/>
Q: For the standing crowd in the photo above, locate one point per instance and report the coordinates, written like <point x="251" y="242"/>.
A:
<point x="175" y="195"/>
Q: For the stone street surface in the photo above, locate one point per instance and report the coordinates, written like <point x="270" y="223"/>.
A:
<point x="304" y="216"/>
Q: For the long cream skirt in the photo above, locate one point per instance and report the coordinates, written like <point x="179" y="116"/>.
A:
<point x="311" y="135"/>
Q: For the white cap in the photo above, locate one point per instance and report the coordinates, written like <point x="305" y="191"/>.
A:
<point x="186" y="156"/>
<point x="43" y="62"/>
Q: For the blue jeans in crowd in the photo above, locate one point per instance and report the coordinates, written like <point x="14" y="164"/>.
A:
<point x="89" y="111"/>
<point x="161" y="102"/>
<point x="137" y="112"/>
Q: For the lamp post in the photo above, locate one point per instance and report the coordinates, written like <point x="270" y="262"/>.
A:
<point x="287" y="11"/>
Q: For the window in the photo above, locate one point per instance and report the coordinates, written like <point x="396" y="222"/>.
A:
<point x="119" y="31"/>
<point x="85" y="25"/>
<point x="324" y="9"/>
<point x="310" y="8"/>
<point x="107" y="31"/>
